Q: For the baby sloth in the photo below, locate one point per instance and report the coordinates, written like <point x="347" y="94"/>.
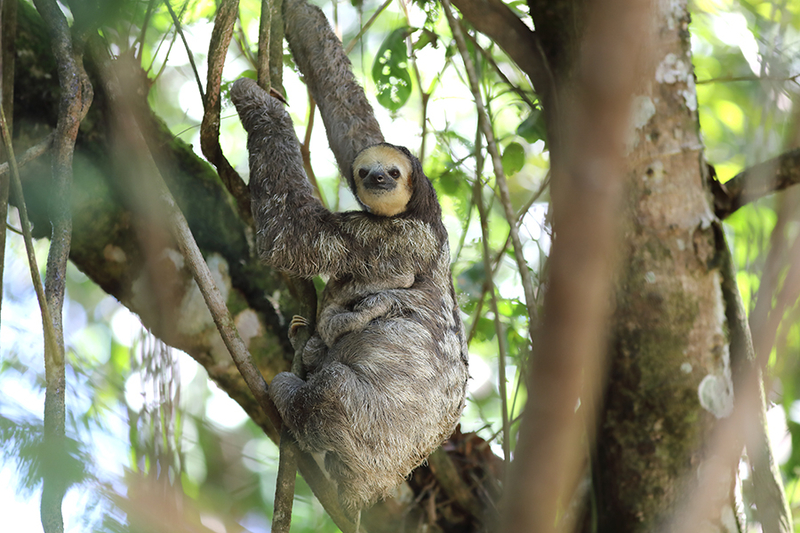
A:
<point x="387" y="364"/>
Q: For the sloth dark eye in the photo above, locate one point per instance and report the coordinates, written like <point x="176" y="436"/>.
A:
<point x="362" y="173"/>
<point x="394" y="173"/>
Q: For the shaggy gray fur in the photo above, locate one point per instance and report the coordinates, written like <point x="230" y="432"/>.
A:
<point x="387" y="365"/>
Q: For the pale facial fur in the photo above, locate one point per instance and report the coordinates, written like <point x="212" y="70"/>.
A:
<point x="393" y="166"/>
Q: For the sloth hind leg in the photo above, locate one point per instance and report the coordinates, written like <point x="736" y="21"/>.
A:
<point x="313" y="409"/>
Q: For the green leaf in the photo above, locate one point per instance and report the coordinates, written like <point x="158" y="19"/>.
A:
<point x="472" y="279"/>
<point x="513" y="158"/>
<point x="390" y="70"/>
<point x="426" y="37"/>
<point x="532" y="129"/>
<point x="484" y="329"/>
<point x="449" y="182"/>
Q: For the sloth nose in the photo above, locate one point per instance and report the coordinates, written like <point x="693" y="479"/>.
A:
<point x="379" y="180"/>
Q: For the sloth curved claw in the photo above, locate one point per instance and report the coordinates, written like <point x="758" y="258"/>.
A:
<point x="297" y="323"/>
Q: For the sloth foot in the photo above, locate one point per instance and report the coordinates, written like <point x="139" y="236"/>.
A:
<point x="294" y="328"/>
<point x="297" y="323"/>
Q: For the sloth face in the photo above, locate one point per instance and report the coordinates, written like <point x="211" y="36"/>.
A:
<point x="383" y="180"/>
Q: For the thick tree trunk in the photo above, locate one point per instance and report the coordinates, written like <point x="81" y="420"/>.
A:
<point x="669" y="379"/>
<point x="670" y="370"/>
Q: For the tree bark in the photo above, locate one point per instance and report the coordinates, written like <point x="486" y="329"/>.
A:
<point x="669" y="383"/>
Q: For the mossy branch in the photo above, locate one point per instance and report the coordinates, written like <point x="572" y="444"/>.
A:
<point x="751" y="184"/>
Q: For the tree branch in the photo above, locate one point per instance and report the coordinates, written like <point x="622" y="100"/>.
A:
<point x="8" y="28"/>
<point x="287" y="465"/>
<point x="30" y="154"/>
<point x="490" y="287"/>
<point x="760" y="180"/>
<point x="109" y="248"/>
<point x="264" y="27"/>
<point x="52" y="520"/>
<point x="148" y="170"/>
<point x="770" y="497"/>
<point x="76" y="96"/>
<point x="276" y="46"/>
<point x="568" y="360"/>
<point x="209" y="129"/>
<point x="179" y="28"/>
<point x="489" y="59"/>
<point x="495" y="20"/>
<point x="365" y="27"/>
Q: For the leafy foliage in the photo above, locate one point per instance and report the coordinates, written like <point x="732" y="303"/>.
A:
<point x="390" y="71"/>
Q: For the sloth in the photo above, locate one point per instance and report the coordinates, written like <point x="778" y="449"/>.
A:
<point x="387" y="363"/>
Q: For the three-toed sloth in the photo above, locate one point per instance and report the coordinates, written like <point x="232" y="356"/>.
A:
<point x="387" y="364"/>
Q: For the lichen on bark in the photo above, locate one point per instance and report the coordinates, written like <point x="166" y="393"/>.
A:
<point x="668" y="332"/>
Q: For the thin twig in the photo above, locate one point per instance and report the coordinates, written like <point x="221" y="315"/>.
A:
<point x="166" y="56"/>
<point x="287" y="462"/>
<point x="500" y="177"/>
<point x="19" y="197"/>
<point x="488" y="57"/>
<point x="30" y="154"/>
<point x="276" y="46"/>
<point x="749" y="356"/>
<point x="8" y="29"/>
<point x="145" y="25"/>
<point x="169" y="50"/>
<point x="209" y="129"/>
<point x="424" y="96"/>
<point x="287" y="465"/>
<point x="8" y="49"/>
<point x="13" y="229"/>
<point x="305" y="149"/>
<point x="133" y="139"/>
<point x="498" y="257"/>
<point x="732" y="79"/>
<point x="264" y="27"/>
<point x="244" y="45"/>
<point x="365" y="27"/>
<point x="178" y="26"/>
<point x="495" y="19"/>
<point x="51" y="515"/>
<point x="490" y="287"/>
